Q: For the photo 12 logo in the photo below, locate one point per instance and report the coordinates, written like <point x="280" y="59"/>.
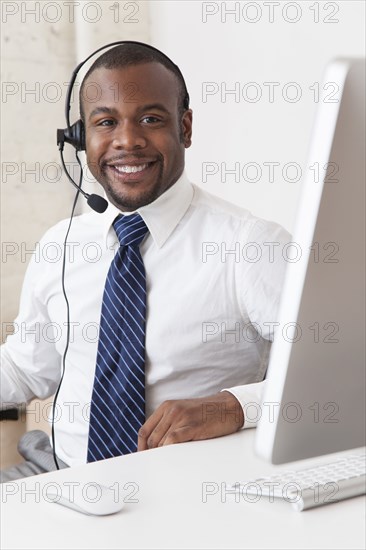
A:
<point x="253" y="491"/>
<point x="89" y="492"/>
<point x="270" y="12"/>
<point x="269" y="91"/>
<point x="52" y="12"/>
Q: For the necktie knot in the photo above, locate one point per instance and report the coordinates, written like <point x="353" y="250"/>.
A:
<point x="130" y="229"/>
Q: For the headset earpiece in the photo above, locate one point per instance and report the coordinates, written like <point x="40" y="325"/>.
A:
<point x="75" y="135"/>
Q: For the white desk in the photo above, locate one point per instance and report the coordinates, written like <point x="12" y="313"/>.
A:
<point x="170" y="512"/>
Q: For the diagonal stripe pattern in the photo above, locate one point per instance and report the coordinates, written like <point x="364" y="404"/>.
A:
<point x="118" y="400"/>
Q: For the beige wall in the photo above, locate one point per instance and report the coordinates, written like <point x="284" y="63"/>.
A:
<point x="39" y="53"/>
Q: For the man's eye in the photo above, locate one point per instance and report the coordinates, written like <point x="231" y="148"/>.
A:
<point x="150" y="119"/>
<point x="105" y="122"/>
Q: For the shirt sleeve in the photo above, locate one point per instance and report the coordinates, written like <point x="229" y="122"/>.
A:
<point x="30" y="363"/>
<point x="267" y="250"/>
<point x="250" y="398"/>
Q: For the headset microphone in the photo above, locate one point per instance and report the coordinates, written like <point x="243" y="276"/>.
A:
<point x="69" y="135"/>
<point x="96" y="202"/>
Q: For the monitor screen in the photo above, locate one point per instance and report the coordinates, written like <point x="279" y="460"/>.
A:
<point x="314" y="398"/>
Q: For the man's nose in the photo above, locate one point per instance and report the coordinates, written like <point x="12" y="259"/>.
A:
<point x="129" y="135"/>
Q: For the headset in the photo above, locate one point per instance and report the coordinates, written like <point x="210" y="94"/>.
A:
<point x="74" y="134"/>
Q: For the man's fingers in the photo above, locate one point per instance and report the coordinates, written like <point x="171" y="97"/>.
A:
<point x="155" y="428"/>
<point x="147" y="428"/>
<point x="159" y="433"/>
<point x="163" y="423"/>
<point x="178" y="435"/>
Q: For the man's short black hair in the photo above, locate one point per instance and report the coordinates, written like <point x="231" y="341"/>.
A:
<point x="126" y="55"/>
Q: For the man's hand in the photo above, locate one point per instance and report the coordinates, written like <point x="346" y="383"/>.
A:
<point x="191" y="420"/>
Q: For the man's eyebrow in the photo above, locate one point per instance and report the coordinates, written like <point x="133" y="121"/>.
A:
<point x="113" y="111"/>
<point x="157" y="106"/>
<point x="103" y="110"/>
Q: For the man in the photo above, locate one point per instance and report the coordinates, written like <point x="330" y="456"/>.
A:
<point x="199" y="297"/>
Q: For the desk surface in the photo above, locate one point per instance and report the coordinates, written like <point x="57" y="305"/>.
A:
<point x="168" y="487"/>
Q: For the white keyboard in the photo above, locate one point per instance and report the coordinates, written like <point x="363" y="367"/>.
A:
<point x="337" y="480"/>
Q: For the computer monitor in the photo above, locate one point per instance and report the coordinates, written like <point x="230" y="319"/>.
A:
<point x="314" y="399"/>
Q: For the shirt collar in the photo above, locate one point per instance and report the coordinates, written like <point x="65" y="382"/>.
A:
<point x="161" y="216"/>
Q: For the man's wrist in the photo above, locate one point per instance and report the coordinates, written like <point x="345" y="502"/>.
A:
<point x="233" y="407"/>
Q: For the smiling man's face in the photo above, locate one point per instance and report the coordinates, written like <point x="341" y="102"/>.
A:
<point x="135" y="138"/>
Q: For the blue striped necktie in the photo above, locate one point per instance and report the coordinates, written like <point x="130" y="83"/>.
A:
<point x="118" y="401"/>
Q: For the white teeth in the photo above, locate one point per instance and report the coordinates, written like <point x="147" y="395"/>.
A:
<point x="131" y="169"/>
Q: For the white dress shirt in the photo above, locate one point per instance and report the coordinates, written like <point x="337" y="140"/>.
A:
<point x="214" y="273"/>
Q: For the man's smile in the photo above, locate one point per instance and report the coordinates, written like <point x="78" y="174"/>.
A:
<point x="128" y="171"/>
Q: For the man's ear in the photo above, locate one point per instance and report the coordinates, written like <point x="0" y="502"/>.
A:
<point x="187" y="128"/>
